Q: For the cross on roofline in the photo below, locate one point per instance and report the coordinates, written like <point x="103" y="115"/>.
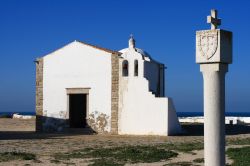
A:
<point x="131" y="36"/>
<point x="213" y="20"/>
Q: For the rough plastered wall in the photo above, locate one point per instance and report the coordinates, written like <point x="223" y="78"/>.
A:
<point x="77" y="66"/>
<point x="140" y="112"/>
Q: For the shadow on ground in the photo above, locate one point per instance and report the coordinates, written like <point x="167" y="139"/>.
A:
<point x="12" y="135"/>
<point x="198" y="129"/>
<point x="189" y="130"/>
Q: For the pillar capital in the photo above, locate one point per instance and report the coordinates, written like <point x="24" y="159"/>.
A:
<point x="214" y="67"/>
<point x="213" y="46"/>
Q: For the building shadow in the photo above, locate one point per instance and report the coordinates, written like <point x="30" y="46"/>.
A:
<point x="16" y="135"/>
<point x="198" y="129"/>
<point x="47" y="128"/>
<point x="56" y="128"/>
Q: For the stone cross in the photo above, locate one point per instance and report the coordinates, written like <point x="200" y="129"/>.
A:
<point x="214" y="53"/>
<point x="213" y="20"/>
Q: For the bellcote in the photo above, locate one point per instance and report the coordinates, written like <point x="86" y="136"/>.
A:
<point x="131" y="42"/>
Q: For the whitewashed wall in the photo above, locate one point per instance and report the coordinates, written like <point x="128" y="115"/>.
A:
<point x="147" y="68"/>
<point x="140" y="112"/>
<point x="77" y="66"/>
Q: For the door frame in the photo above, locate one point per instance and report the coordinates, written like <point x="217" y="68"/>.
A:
<point x="85" y="91"/>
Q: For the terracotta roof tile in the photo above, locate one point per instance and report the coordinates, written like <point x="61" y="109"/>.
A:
<point x="100" y="48"/>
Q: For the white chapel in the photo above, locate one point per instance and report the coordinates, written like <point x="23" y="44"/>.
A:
<point x="96" y="89"/>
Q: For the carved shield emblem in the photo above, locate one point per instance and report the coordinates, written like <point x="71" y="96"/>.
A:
<point x="208" y="43"/>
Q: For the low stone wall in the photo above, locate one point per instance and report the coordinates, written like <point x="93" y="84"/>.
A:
<point x="17" y="116"/>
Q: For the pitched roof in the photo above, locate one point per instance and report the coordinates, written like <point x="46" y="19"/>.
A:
<point x="96" y="47"/>
<point x="100" y="48"/>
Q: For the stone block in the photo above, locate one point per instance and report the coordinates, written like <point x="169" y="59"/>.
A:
<point x="114" y="93"/>
<point x="39" y="94"/>
<point x="214" y="46"/>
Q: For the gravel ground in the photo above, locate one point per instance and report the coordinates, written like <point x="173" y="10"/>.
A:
<point x="18" y="135"/>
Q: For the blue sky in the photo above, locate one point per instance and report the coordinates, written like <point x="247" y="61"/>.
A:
<point x="165" y="29"/>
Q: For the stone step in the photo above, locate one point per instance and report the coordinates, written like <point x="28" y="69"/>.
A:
<point x="86" y="130"/>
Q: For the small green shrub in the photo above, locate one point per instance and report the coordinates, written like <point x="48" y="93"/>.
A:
<point x="8" y="156"/>
<point x="199" y="160"/>
<point x="180" y="164"/>
<point x="240" y="156"/>
<point x="55" y="161"/>
<point x="185" y="147"/>
<point x="239" y="141"/>
<point x="5" y="116"/>
<point x="120" y="155"/>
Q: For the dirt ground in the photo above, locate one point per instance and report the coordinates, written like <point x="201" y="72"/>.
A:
<point x="18" y="135"/>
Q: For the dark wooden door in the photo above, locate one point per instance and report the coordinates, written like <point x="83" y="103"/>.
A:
<point x="77" y="110"/>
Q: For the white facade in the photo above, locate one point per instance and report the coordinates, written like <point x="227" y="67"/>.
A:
<point x="77" y="66"/>
<point x="141" y="112"/>
<point x="143" y="109"/>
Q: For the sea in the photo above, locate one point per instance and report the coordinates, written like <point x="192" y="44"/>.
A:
<point x="193" y="114"/>
<point x="179" y="114"/>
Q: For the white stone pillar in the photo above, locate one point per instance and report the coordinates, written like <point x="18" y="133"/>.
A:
<point x="214" y="113"/>
<point x="214" y="53"/>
